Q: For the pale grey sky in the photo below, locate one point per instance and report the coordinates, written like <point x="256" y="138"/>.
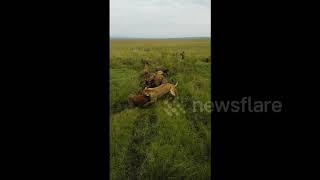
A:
<point x="160" y="18"/>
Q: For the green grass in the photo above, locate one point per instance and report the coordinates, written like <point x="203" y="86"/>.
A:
<point x="148" y="143"/>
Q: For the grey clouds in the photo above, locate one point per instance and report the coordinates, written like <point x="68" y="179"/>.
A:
<point x="160" y="18"/>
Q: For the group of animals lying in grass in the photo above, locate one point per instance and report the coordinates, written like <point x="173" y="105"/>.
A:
<point x="155" y="85"/>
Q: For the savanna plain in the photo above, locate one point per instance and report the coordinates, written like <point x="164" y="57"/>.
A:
<point x="168" y="139"/>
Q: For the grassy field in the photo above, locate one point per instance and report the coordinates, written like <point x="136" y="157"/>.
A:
<point x="150" y="143"/>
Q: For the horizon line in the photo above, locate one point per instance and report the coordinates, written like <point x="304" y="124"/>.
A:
<point x="124" y="37"/>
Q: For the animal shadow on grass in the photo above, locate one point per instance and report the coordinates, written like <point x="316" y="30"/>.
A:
<point x="118" y="107"/>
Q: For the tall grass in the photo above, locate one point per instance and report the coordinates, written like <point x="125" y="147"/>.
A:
<point x="148" y="143"/>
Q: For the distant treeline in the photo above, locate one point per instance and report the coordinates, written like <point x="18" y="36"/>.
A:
<point x="135" y="38"/>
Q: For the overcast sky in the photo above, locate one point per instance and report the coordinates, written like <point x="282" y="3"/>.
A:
<point x="160" y="18"/>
